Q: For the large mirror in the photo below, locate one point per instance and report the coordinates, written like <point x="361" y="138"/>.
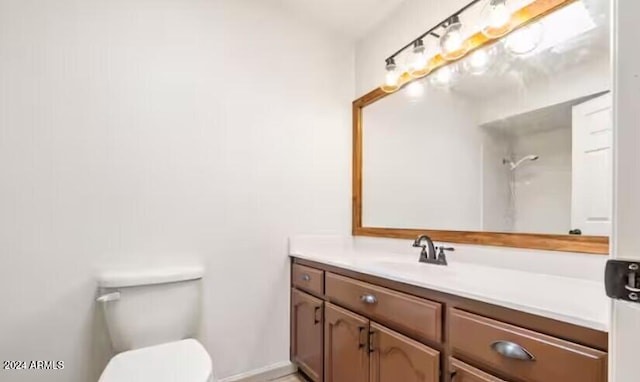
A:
<point x="516" y="138"/>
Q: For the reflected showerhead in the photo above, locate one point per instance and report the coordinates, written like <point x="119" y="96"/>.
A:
<point x="513" y="166"/>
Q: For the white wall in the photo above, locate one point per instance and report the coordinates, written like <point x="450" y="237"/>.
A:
<point x="543" y="187"/>
<point x="161" y="132"/>
<point x="496" y="193"/>
<point x="541" y="202"/>
<point x="422" y="162"/>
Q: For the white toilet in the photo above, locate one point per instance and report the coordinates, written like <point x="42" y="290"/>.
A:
<point x="152" y="317"/>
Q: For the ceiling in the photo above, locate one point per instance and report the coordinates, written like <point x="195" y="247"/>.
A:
<point x="350" y="18"/>
<point x="553" y="117"/>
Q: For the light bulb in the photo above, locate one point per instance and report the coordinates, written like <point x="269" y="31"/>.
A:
<point x="393" y="74"/>
<point x="500" y="14"/>
<point x="392" y="77"/>
<point x="525" y="40"/>
<point x="478" y="62"/>
<point x="444" y="76"/>
<point x="452" y="42"/>
<point x="419" y="60"/>
<point x="496" y="19"/>
<point x="415" y="90"/>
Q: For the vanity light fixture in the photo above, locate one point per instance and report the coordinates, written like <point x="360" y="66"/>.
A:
<point x="443" y="77"/>
<point x="479" y="61"/>
<point x="525" y="40"/>
<point x="415" y="90"/>
<point x="499" y="18"/>
<point x="559" y="29"/>
<point x="452" y="42"/>
<point x="496" y="17"/>
<point x="392" y="80"/>
<point x="418" y="66"/>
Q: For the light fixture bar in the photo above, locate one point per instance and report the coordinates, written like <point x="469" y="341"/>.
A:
<point x="431" y="32"/>
<point x="519" y="19"/>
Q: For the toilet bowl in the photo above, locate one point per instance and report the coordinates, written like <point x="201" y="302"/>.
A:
<point x="182" y="361"/>
<point x="152" y="316"/>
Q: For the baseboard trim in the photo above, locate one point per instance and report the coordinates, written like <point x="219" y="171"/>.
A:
<point x="267" y="373"/>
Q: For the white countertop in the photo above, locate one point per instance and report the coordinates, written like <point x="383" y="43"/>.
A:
<point x="574" y="300"/>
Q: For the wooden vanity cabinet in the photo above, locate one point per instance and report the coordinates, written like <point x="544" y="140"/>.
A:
<point x="307" y="319"/>
<point x="413" y="316"/>
<point x="395" y="357"/>
<point x="378" y="330"/>
<point x="461" y="372"/>
<point x="526" y="355"/>
<point x="358" y="350"/>
<point x="346" y="346"/>
<point x="308" y="279"/>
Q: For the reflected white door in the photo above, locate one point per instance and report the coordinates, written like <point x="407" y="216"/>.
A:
<point x="625" y="329"/>
<point x="592" y="167"/>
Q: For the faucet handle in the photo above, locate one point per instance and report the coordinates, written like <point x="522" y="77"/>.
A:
<point x="442" y="249"/>
<point x="442" y="257"/>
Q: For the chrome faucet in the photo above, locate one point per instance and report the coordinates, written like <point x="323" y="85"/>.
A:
<point x="425" y="256"/>
<point x="429" y="256"/>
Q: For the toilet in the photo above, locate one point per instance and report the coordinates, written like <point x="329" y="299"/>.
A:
<point x="152" y="317"/>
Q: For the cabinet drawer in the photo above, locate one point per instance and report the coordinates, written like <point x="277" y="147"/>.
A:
<point x="523" y="354"/>
<point x="309" y="279"/>
<point x="461" y="372"/>
<point x="410" y="315"/>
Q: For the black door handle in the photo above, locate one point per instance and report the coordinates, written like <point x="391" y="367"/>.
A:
<point x="316" y="320"/>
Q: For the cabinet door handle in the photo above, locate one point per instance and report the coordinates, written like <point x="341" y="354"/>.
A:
<point x="371" y="348"/>
<point x="512" y="350"/>
<point x="362" y="342"/>
<point x="453" y="375"/>
<point x="368" y="299"/>
<point x="305" y="277"/>
<point x="316" y="320"/>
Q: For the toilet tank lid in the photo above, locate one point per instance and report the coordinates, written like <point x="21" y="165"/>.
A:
<point x="129" y="278"/>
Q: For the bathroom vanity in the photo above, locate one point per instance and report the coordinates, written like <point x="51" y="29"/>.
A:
<point x="379" y="315"/>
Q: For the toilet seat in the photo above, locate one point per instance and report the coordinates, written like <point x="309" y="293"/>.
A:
<point x="182" y="361"/>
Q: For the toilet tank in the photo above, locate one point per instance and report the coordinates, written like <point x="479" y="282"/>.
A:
<point x="151" y="307"/>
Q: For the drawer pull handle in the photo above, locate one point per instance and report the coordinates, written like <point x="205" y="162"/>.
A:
<point x="305" y="277"/>
<point x="368" y="299"/>
<point x="512" y="350"/>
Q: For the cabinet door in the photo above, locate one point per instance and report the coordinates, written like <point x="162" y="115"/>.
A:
<point x="306" y="333"/>
<point x="346" y="351"/>
<point x="395" y="357"/>
<point x="461" y="372"/>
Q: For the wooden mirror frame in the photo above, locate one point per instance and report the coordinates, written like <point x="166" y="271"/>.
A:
<point x="566" y="243"/>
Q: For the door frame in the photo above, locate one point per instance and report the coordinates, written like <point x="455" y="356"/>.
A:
<point x="624" y="334"/>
